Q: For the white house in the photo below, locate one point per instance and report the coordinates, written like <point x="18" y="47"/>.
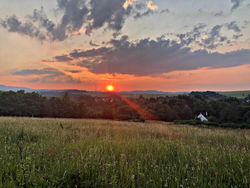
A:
<point x="202" y="118"/>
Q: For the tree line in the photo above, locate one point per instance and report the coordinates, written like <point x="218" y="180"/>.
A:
<point x="221" y="110"/>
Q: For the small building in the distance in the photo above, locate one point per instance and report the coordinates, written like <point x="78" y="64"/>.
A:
<point x="202" y="118"/>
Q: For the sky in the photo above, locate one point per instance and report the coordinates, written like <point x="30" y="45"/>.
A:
<point x="166" y="45"/>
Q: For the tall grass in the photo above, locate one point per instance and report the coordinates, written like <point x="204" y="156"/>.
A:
<point x="100" y="153"/>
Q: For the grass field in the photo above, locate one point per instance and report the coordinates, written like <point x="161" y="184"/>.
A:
<point x="237" y="94"/>
<point x="100" y="153"/>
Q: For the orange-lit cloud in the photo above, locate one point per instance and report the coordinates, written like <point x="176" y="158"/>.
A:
<point x="152" y="6"/>
<point x="83" y="31"/>
<point x="128" y="3"/>
<point x="233" y="78"/>
<point x="79" y="32"/>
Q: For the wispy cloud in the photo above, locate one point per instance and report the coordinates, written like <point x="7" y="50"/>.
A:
<point x="46" y="75"/>
<point x="235" y="4"/>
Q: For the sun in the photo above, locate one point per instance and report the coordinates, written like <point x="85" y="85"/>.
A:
<point x="110" y="88"/>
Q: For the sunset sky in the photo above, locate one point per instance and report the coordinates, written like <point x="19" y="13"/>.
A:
<point x="167" y="45"/>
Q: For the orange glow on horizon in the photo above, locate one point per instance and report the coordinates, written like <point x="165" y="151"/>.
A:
<point x="110" y="88"/>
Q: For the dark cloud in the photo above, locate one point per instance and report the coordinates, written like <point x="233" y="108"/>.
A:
<point x="74" y="71"/>
<point x="234" y="26"/>
<point x="140" y="6"/>
<point x="46" y="75"/>
<point x="122" y="42"/>
<point x="165" y="11"/>
<point x="219" y="13"/>
<point x="245" y="24"/>
<point x="40" y="17"/>
<point x="56" y="80"/>
<point x="142" y="14"/>
<point x="75" y="16"/>
<point x="63" y="58"/>
<point x="152" y="57"/>
<point x="142" y="10"/>
<point x="73" y="19"/>
<point x="213" y="38"/>
<point x="91" y="43"/>
<point x="209" y="38"/>
<point x="192" y="36"/>
<point x="26" y="72"/>
<point x="110" y="12"/>
<point x="89" y="53"/>
<point x="13" y="24"/>
<point x="36" y="26"/>
<point x="237" y="36"/>
<point x="116" y="34"/>
<point x="47" y="61"/>
<point x="235" y="4"/>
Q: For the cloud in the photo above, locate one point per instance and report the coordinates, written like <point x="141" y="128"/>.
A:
<point x="152" y="6"/>
<point x="140" y="6"/>
<point x="235" y="4"/>
<point x="245" y="24"/>
<point x="233" y="26"/>
<point x="110" y="12"/>
<point x="40" y="17"/>
<point x="153" y="57"/>
<point x="89" y="53"/>
<point x="37" y="25"/>
<point x="149" y="9"/>
<point x="237" y="36"/>
<point x="78" y="17"/>
<point x="14" y="25"/>
<point x="26" y="72"/>
<point x="192" y="36"/>
<point x="74" y="71"/>
<point x="165" y="11"/>
<point x="63" y="58"/>
<point x="219" y="13"/>
<point x="74" y="17"/>
<point x="213" y="38"/>
<point x="128" y="3"/>
<point x="46" y="75"/>
<point x="91" y="43"/>
<point x="209" y="38"/>
<point x="146" y="13"/>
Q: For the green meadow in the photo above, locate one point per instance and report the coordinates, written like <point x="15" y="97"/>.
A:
<point x="101" y="153"/>
<point x="237" y="94"/>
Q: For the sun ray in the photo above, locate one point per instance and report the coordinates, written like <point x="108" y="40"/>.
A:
<point x="143" y="112"/>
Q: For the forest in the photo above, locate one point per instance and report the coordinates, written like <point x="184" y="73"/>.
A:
<point x="220" y="110"/>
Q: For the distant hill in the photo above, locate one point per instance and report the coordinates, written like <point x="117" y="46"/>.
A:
<point x="13" y="88"/>
<point x="74" y="93"/>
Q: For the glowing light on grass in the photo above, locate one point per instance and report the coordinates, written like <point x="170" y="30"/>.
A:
<point x="143" y="112"/>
